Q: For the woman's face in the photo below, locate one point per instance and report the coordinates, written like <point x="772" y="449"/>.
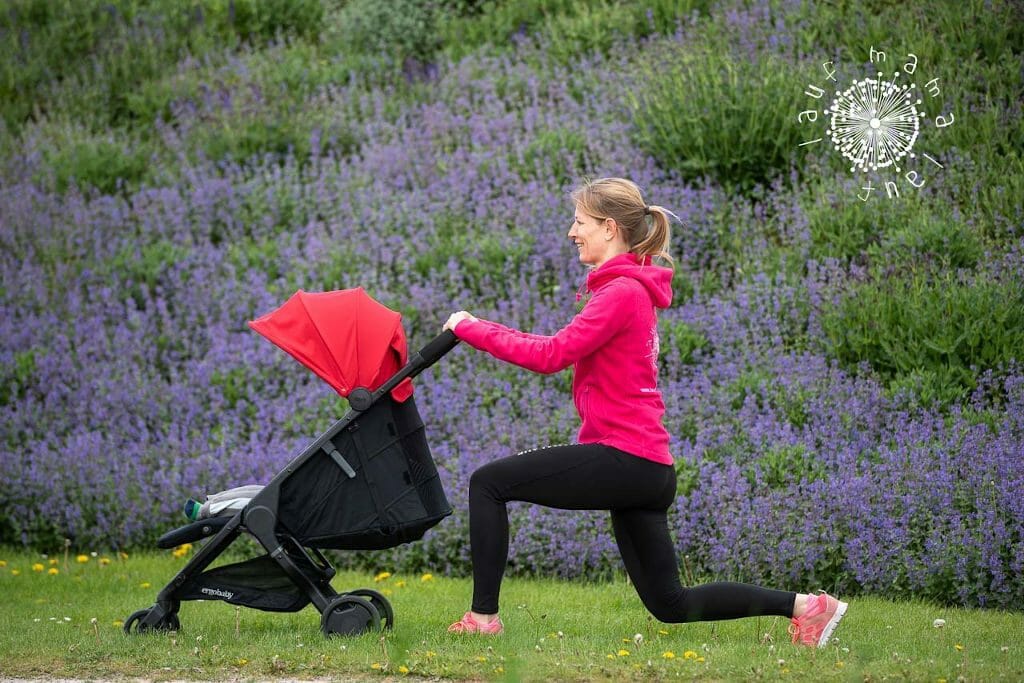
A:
<point x="591" y="238"/>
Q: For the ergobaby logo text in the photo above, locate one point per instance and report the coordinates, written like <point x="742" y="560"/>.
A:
<point x="217" y="593"/>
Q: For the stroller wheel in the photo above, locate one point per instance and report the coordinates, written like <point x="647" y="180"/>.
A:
<point x="387" y="614"/>
<point x="136" y="623"/>
<point x="349" y="615"/>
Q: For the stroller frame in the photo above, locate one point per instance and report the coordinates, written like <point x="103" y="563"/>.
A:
<point x="307" y="569"/>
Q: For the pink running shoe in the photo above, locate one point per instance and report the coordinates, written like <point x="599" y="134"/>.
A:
<point x="816" y="625"/>
<point x="470" y="625"/>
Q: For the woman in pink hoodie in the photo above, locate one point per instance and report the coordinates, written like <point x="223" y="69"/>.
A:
<point x="621" y="462"/>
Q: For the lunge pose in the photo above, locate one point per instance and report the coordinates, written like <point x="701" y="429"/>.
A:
<point x="621" y="462"/>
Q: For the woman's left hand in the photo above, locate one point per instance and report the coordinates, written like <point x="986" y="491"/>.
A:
<point x="455" y="318"/>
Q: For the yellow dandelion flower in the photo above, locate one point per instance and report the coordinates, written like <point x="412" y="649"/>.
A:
<point x="104" y="561"/>
<point x="431" y="653"/>
<point x="82" y="559"/>
<point x="53" y="571"/>
<point x="117" y="622"/>
<point x="427" y="577"/>
<point x="400" y="584"/>
<point x="481" y="659"/>
<point x="662" y="631"/>
<point x="785" y="671"/>
<point x="38" y="567"/>
<point x="668" y="655"/>
<point x="15" y="572"/>
<point x="689" y="654"/>
<point x="242" y="662"/>
<point x="700" y="659"/>
<point x="383" y="576"/>
<point x="3" y="563"/>
<point x="959" y="647"/>
<point x="403" y="669"/>
<point x="123" y="555"/>
<point x="145" y="584"/>
<point x="53" y="562"/>
<point x="376" y="666"/>
<point x="623" y="653"/>
<point x="499" y="669"/>
<point x="609" y="656"/>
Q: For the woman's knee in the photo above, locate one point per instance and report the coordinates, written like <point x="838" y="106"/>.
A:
<point x="667" y="604"/>
<point x="485" y="481"/>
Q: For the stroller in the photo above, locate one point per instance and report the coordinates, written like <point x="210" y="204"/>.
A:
<point x="367" y="482"/>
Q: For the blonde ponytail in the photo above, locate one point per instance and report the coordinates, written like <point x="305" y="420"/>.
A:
<point x="659" y="236"/>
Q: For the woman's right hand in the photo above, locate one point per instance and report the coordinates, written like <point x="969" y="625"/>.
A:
<point x="455" y="318"/>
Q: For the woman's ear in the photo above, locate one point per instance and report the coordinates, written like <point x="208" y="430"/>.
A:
<point x="611" y="228"/>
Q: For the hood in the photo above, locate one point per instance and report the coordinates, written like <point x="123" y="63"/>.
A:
<point x="656" y="279"/>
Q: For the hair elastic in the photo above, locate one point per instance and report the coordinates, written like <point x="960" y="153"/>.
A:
<point x="647" y="210"/>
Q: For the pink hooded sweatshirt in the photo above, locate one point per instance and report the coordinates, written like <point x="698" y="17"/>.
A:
<point x="613" y="347"/>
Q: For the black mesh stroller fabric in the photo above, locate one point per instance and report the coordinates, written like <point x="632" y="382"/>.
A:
<point x="394" y="498"/>
<point x="259" y="583"/>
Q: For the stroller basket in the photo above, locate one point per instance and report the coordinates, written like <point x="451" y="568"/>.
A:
<point x="259" y="583"/>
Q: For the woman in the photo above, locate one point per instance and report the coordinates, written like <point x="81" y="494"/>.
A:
<point x="621" y="462"/>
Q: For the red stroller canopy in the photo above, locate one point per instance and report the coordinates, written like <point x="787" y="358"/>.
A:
<point x="346" y="337"/>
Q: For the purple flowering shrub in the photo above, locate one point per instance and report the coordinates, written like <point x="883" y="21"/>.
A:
<point x="130" y="380"/>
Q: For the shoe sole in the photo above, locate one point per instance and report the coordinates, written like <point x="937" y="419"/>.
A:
<point x="832" y="623"/>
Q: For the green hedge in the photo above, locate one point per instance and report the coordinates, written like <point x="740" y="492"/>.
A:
<point x="930" y="331"/>
<point x="98" y="53"/>
<point x="708" y="113"/>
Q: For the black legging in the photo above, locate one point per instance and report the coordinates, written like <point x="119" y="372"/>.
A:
<point x="638" y="492"/>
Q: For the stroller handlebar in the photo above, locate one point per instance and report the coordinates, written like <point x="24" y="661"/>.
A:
<point x="437" y="347"/>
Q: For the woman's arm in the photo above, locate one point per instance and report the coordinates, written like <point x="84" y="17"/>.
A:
<point x="604" y="315"/>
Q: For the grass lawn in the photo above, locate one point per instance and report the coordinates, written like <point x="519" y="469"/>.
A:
<point x="68" y="624"/>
